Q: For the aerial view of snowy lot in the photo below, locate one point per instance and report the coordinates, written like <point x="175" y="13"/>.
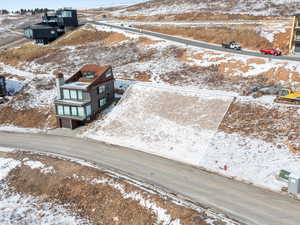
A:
<point x="202" y="106"/>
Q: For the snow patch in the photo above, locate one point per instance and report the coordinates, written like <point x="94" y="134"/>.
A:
<point x="181" y="135"/>
<point x="39" y="165"/>
<point x="7" y="165"/>
<point x="3" y="149"/>
<point x="12" y="128"/>
<point x="25" y="209"/>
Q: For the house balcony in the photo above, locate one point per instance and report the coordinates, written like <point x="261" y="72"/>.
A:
<point x="71" y="102"/>
<point x="74" y="110"/>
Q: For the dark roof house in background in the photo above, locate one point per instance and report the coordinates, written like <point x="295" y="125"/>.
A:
<point x="83" y="95"/>
<point x="3" y="91"/>
<point x="54" y="25"/>
<point x="2" y="87"/>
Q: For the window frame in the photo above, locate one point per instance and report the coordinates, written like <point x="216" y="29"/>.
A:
<point x="79" y="94"/>
<point x="66" y="14"/>
<point x="60" y="110"/>
<point x="69" y="109"/>
<point x="72" y="112"/>
<point x="100" y="102"/>
<point x="73" y="94"/>
<point x="101" y="89"/>
<point x="66" y="91"/>
<point x="81" y="111"/>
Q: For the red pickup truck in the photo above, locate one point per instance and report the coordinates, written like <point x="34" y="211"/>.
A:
<point x="270" y="52"/>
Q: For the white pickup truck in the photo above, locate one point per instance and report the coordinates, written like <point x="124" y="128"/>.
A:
<point x="232" y="45"/>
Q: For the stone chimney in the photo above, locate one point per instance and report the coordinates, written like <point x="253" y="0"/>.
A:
<point x="59" y="82"/>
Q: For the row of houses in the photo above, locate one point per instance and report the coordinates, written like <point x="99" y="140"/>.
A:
<point x="53" y="25"/>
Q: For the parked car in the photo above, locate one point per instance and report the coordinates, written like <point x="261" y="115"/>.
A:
<point x="271" y="52"/>
<point x="232" y="45"/>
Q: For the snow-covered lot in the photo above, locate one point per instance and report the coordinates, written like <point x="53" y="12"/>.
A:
<point x="184" y="125"/>
<point x="25" y="209"/>
<point x="164" y="121"/>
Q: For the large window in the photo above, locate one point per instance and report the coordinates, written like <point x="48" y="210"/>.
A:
<point x="67" y="14"/>
<point x="88" y="109"/>
<point x="81" y="111"/>
<point x="66" y="94"/>
<point x="72" y="111"/>
<point x="101" y="89"/>
<point x="73" y="94"/>
<point x="60" y="110"/>
<point x="79" y="95"/>
<point x="67" y="110"/>
<point x="102" y="102"/>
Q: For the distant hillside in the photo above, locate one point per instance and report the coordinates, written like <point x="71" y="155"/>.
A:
<point x="250" y="7"/>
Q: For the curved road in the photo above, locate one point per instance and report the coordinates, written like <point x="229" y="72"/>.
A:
<point x="246" y="203"/>
<point x="196" y="43"/>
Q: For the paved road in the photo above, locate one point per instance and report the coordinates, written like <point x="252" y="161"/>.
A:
<point x="246" y="203"/>
<point x="15" y="43"/>
<point x="197" y="43"/>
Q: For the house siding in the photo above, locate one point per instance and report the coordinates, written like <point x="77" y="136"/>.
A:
<point x="108" y="94"/>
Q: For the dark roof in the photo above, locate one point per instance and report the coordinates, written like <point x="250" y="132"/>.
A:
<point x="40" y="26"/>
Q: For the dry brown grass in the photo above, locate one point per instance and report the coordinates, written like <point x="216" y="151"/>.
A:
<point x="260" y="122"/>
<point x="193" y="16"/>
<point x="281" y="40"/>
<point x="256" y="61"/>
<point x="27" y="52"/>
<point x="148" y="41"/>
<point x="85" y="196"/>
<point x="31" y="118"/>
<point x="114" y="39"/>
<point x="31" y="52"/>
<point x="246" y="36"/>
<point x="81" y="36"/>
<point x="282" y="74"/>
<point x="145" y="77"/>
